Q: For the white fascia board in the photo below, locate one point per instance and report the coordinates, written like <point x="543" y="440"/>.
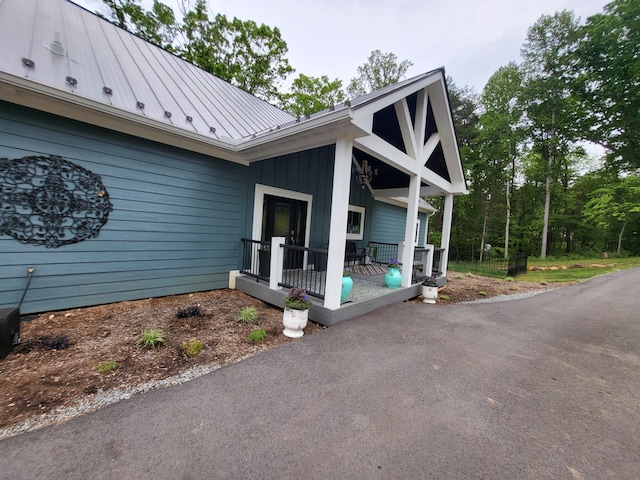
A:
<point x="384" y="100"/>
<point x="442" y="111"/>
<point x="39" y="97"/>
<point x="312" y="133"/>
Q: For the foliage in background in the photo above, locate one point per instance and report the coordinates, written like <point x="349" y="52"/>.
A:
<point x="608" y="83"/>
<point x="309" y="95"/>
<point x="244" y="53"/>
<point x="380" y="70"/>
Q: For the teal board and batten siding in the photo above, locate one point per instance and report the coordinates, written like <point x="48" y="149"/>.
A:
<point x="309" y="172"/>
<point x="389" y="221"/>
<point x="174" y="228"/>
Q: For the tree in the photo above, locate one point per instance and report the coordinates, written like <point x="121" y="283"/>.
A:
<point x="248" y="55"/>
<point x="501" y="132"/>
<point x="157" y="26"/>
<point x="615" y="205"/>
<point x="548" y="80"/>
<point x="381" y="69"/>
<point x="311" y="94"/>
<point x="465" y="222"/>
<point x="608" y="56"/>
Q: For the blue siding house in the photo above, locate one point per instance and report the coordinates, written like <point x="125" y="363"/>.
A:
<point x="127" y="172"/>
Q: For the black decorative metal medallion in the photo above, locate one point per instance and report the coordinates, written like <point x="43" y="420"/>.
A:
<point x="50" y="201"/>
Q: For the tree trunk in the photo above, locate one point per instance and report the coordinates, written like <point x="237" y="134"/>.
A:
<point x="624" y="225"/>
<point x="484" y="228"/>
<point x="547" y="195"/>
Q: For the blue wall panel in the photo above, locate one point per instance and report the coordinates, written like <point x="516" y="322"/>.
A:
<point x="174" y="228"/>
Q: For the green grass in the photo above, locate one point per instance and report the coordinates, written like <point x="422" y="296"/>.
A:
<point x="554" y="276"/>
<point x="576" y="274"/>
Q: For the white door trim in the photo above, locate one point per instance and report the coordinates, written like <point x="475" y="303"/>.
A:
<point x="258" y="203"/>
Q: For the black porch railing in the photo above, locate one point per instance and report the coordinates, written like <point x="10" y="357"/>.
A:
<point x="383" y="253"/>
<point x="295" y="275"/>
<point x="256" y="262"/>
<point x="256" y="258"/>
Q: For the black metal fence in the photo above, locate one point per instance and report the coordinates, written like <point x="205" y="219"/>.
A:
<point x="517" y="265"/>
<point x="509" y="267"/>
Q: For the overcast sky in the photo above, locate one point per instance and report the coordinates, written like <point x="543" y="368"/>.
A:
<point x="470" y="38"/>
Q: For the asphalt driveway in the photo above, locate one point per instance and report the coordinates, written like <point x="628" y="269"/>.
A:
<point x="546" y="387"/>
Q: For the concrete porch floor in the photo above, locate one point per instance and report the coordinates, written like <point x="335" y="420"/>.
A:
<point x="369" y="293"/>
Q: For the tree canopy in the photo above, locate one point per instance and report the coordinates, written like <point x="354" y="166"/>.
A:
<point x="244" y="53"/>
<point x="380" y="70"/>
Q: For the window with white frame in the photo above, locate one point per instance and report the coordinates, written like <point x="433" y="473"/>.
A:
<point x="355" y="223"/>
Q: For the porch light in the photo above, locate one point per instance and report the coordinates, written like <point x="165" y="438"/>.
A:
<point x="364" y="173"/>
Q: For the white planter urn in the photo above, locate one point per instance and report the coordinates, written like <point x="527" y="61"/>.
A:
<point x="429" y="294"/>
<point x="294" y="322"/>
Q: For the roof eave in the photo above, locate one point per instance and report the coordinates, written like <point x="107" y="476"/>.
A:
<point x="22" y="91"/>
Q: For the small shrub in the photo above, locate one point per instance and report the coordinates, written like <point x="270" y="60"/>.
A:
<point x="469" y="274"/>
<point x="544" y="283"/>
<point x="151" y="338"/>
<point x="191" y="348"/>
<point x="474" y="288"/>
<point x="52" y="342"/>
<point x="195" y="311"/>
<point x="509" y="279"/>
<point x="256" y="335"/>
<point x="248" y="315"/>
<point x="484" y="294"/>
<point x="446" y="298"/>
<point x="458" y="276"/>
<point x="106" y="367"/>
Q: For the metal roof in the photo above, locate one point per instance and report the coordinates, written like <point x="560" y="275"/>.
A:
<point x="57" y="44"/>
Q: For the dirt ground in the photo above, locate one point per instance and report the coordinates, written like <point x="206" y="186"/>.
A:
<point x="38" y="380"/>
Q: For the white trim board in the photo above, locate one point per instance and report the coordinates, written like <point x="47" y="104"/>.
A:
<point x="258" y="202"/>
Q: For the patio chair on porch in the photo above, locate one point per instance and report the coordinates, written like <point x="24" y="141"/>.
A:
<point x="352" y="255"/>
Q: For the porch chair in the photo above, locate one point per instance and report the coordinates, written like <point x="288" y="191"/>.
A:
<point x="351" y="254"/>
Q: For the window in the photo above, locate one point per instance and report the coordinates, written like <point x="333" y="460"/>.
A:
<point x="355" y="223"/>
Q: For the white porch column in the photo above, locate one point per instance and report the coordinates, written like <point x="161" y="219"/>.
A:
<point x="338" y="223"/>
<point x="446" y="231"/>
<point x="413" y="202"/>
<point x="277" y="262"/>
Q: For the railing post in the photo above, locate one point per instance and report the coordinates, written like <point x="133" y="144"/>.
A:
<point x="277" y="262"/>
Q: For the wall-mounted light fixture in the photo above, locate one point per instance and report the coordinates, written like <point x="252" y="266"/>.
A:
<point x="364" y="173"/>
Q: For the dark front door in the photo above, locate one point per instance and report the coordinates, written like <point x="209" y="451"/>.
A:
<point x="285" y="217"/>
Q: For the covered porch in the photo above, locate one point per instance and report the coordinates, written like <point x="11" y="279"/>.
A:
<point x="270" y="269"/>
<point x="393" y="147"/>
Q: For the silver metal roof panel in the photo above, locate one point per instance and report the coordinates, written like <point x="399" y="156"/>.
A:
<point x="77" y="52"/>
